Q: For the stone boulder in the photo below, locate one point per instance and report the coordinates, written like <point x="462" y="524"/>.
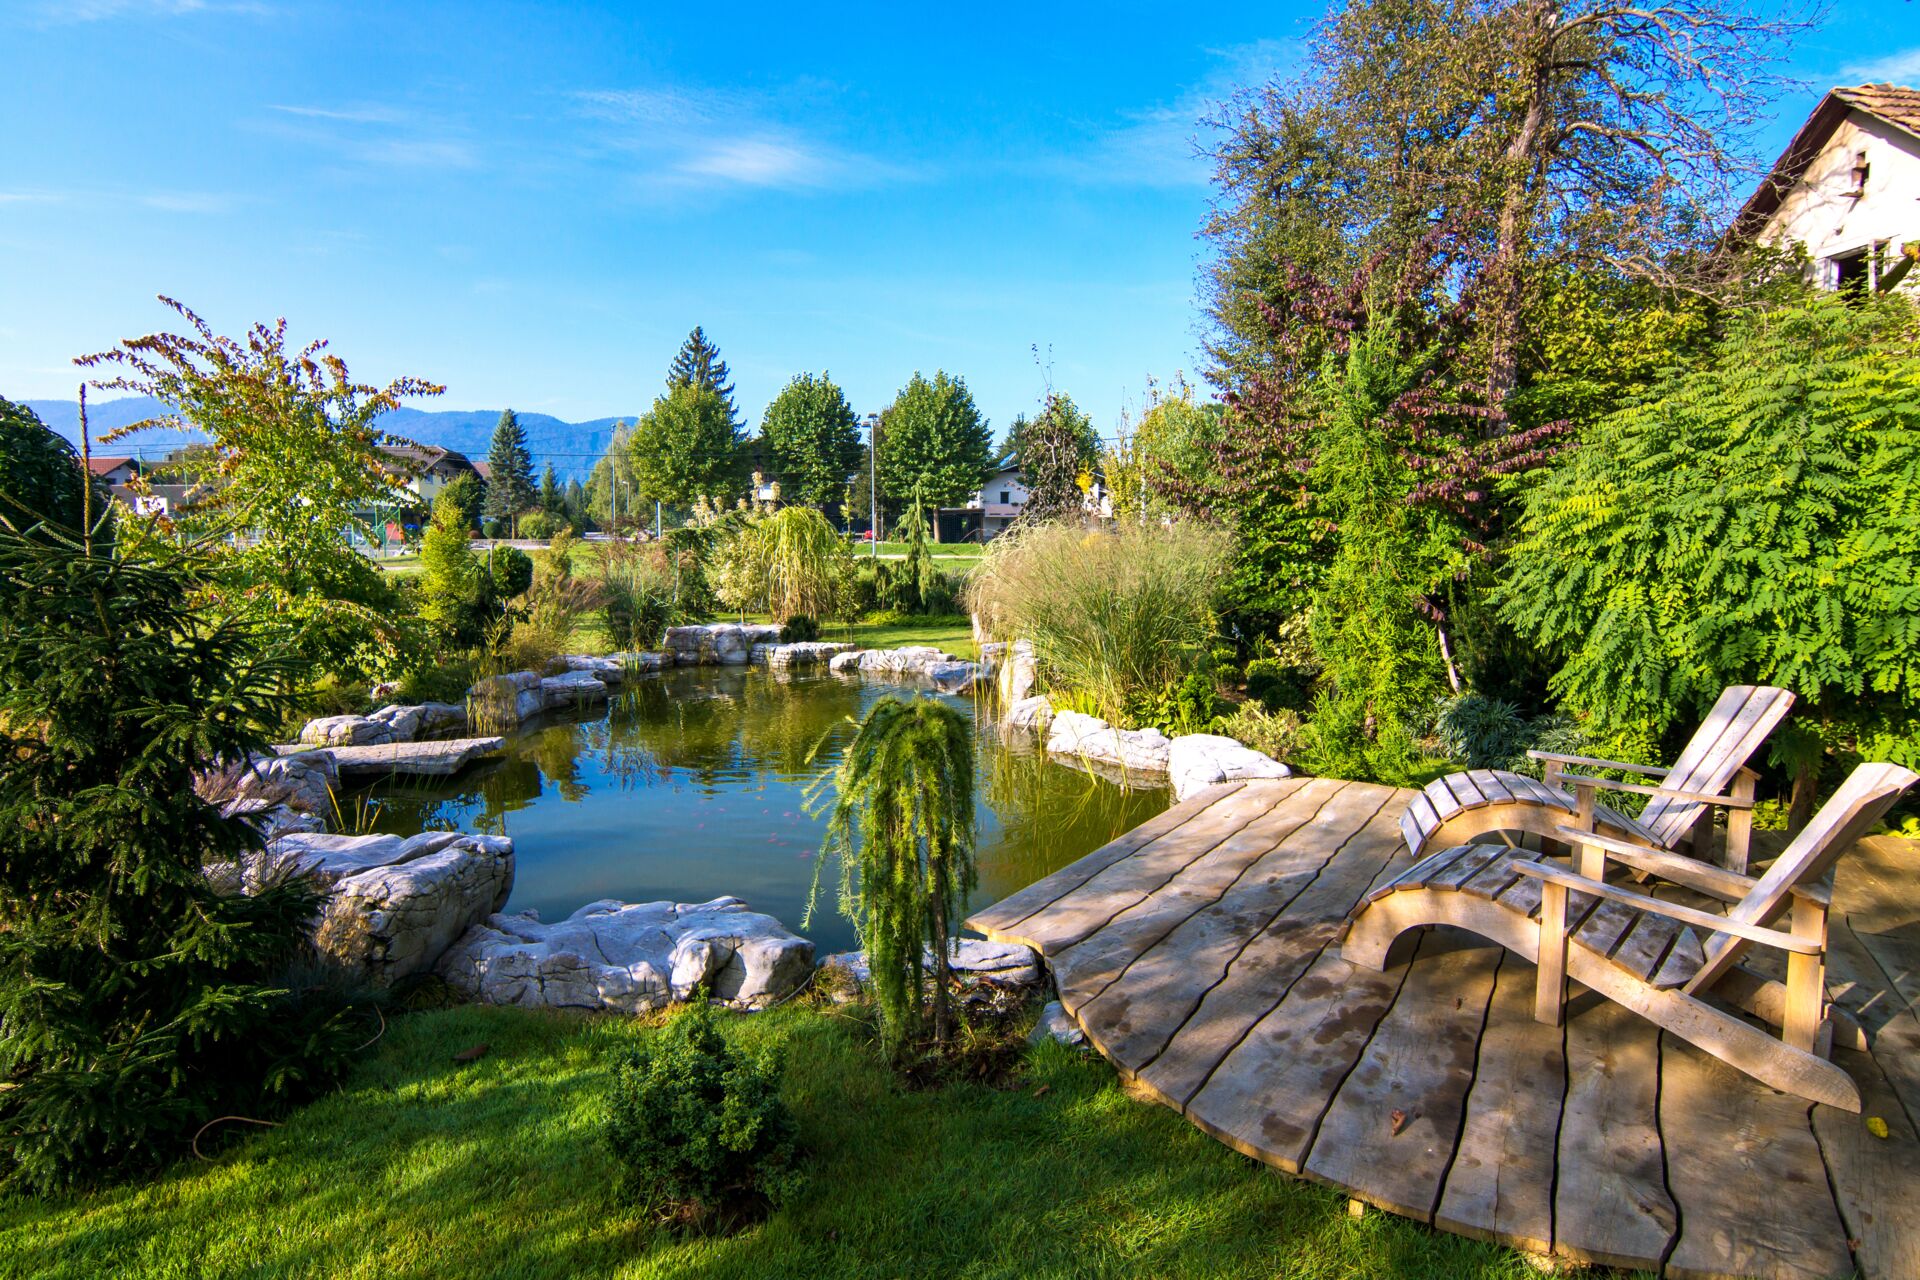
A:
<point x="574" y="688"/>
<point x="630" y="957"/>
<point x="1034" y="715"/>
<point x="948" y="673"/>
<point x="1199" y="760"/>
<point x="303" y="782"/>
<point x="1054" y="1024"/>
<point x="718" y="644"/>
<point x="345" y="731"/>
<point x="1017" y="675"/>
<point x="798" y="655"/>
<point x="397" y="917"/>
<point x="847" y="663"/>
<point x="1090" y="738"/>
<point x="847" y="974"/>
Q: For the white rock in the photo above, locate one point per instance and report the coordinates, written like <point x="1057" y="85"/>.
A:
<point x="848" y="973"/>
<point x="573" y="689"/>
<point x="303" y="781"/>
<point x="848" y="662"/>
<point x="630" y="957"/>
<point x="1199" y="760"/>
<point x="1016" y="677"/>
<point x="1091" y="738"/>
<point x="1033" y="714"/>
<point x="345" y="731"/>
<point x="441" y="758"/>
<point x="1054" y="1023"/>
<point x="397" y="918"/>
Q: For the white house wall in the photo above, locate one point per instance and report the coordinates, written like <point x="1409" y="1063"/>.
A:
<point x="1820" y="213"/>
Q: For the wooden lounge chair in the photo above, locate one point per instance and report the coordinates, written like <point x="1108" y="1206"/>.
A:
<point x="1457" y="808"/>
<point x="1642" y="952"/>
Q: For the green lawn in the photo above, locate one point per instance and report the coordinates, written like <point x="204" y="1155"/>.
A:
<point x="421" y="1168"/>
<point x="965" y="551"/>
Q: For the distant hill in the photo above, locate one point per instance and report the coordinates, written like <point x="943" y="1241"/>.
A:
<point x="572" y="447"/>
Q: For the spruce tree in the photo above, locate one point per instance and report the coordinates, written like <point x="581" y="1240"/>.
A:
<point x="551" y="498"/>
<point x="510" y="471"/>
<point x="699" y="364"/>
<point x="142" y="992"/>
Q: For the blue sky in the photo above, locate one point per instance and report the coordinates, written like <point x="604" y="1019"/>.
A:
<point x="533" y="203"/>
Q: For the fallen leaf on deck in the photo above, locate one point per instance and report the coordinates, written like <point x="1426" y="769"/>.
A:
<point x="1876" y="1126"/>
<point x="1399" y="1119"/>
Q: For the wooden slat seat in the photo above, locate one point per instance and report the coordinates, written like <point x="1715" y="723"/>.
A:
<point x="1643" y="952"/>
<point x="1650" y="947"/>
<point x="1461" y="806"/>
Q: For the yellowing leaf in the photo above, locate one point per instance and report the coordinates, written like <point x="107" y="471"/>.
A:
<point x="1876" y="1126"/>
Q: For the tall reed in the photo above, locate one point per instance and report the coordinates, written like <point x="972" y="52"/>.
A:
<point x="1113" y="613"/>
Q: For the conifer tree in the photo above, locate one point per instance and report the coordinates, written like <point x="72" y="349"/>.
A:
<point x="698" y="364"/>
<point x="510" y="471"/>
<point x="551" y="497"/>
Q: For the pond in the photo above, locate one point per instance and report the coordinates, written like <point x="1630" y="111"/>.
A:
<point x="692" y="784"/>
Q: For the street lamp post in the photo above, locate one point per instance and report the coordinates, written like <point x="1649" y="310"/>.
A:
<point x="873" y="481"/>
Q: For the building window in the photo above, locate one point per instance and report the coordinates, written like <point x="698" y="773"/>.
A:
<point x="1850" y="274"/>
<point x="1004" y="500"/>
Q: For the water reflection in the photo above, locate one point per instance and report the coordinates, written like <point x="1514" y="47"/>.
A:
<point x="691" y="785"/>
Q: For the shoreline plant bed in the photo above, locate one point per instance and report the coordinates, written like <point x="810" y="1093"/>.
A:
<point x="422" y="1165"/>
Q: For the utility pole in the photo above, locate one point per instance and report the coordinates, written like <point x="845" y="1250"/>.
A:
<point x="656" y="519"/>
<point x="873" y="480"/>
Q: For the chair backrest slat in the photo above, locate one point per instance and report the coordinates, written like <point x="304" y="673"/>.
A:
<point x="1740" y="720"/>
<point x="1861" y="801"/>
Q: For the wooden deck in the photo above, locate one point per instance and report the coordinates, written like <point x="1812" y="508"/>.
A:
<point x="1199" y="954"/>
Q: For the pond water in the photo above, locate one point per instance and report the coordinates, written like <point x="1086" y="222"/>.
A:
<point x="692" y="784"/>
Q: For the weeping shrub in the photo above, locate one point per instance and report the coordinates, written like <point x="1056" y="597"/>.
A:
<point x="1118" y="614"/>
<point x="698" y="1125"/>
<point x="139" y="999"/>
<point x="901" y="829"/>
<point x="791" y="562"/>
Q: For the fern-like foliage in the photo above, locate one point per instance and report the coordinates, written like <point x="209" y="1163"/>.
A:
<point x="1752" y="519"/>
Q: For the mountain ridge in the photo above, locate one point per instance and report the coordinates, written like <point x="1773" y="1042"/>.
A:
<point x="572" y="447"/>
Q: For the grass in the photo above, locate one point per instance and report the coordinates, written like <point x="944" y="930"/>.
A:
<point x="419" y="1167"/>
<point x="968" y="551"/>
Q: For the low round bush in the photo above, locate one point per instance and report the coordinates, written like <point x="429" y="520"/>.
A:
<point x="698" y="1125"/>
<point x="1277" y="685"/>
<point x="799" y="629"/>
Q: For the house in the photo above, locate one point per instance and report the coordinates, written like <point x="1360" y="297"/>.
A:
<point x="430" y="468"/>
<point x="994" y="506"/>
<point x="113" y="471"/>
<point x="1847" y="188"/>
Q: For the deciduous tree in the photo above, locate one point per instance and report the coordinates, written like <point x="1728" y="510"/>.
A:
<point x="1055" y="450"/>
<point x="812" y="440"/>
<point x="686" y="446"/>
<point x="932" y="438"/>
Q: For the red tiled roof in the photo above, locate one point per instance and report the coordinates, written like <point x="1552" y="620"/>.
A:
<point x="1896" y="104"/>
<point x="100" y="465"/>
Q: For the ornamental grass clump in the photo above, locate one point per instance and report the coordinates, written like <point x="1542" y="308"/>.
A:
<point x="1116" y="614"/>
<point x="901" y="827"/>
<point x="699" y="1126"/>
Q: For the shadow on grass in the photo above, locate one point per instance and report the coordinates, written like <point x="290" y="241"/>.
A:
<point x="423" y="1168"/>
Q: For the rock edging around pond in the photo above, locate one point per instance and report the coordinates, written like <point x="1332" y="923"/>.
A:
<point x="630" y="957"/>
<point x="1189" y="763"/>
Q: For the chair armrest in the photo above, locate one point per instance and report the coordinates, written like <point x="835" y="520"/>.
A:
<point x="1594" y="762"/>
<point x="1700" y="797"/>
<point x="1728" y="886"/>
<point x="1671" y="910"/>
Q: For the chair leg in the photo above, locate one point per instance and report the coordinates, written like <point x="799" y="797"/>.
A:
<point x="1740" y="823"/>
<point x="1806" y="978"/>
<point x="1550" y="991"/>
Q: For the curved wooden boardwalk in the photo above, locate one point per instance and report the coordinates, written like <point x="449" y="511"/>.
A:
<point x="1199" y="954"/>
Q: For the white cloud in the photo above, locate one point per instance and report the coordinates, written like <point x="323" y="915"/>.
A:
<point x="1158" y="145"/>
<point x="419" y="153"/>
<point x="687" y="138"/>
<point x="347" y="115"/>
<point x="59" y="11"/>
<point x="1895" y="68"/>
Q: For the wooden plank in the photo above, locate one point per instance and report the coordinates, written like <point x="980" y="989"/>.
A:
<point x="1875" y="1180"/>
<point x="1857" y="984"/>
<point x="1418" y="873"/>
<point x="1011" y="910"/>
<point x="1491" y="785"/>
<point x="1084" y="969"/>
<point x="1255" y="941"/>
<point x="1266" y="1097"/>
<point x="1745" y="1169"/>
<point x="1113" y="890"/>
<point x="1611" y="1205"/>
<point x="1497" y="877"/>
<point x="1264" y="969"/>
<point x="1646" y="945"/>
<point x="1500" y="1187"/>
<point x="1417" y="1065"/>
<point x="1473" y="859"/>
<point x="1604" y="925"/>
<point x="1465" y="794"/>
<point x="1874" y="886"/>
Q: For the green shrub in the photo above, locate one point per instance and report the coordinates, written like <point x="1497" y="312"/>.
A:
<point x="510" y="572"/>
<point x="799" y="629"/>
<point x="699" y="1126"/>
<point x="1188" y="705"/>
<point x="1120" y="613"/>
<point x="1274" y="733"/>
<point x="1487" y="733"/>
<point x="541" y="524"/>
<point x="1275" y="684"/>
